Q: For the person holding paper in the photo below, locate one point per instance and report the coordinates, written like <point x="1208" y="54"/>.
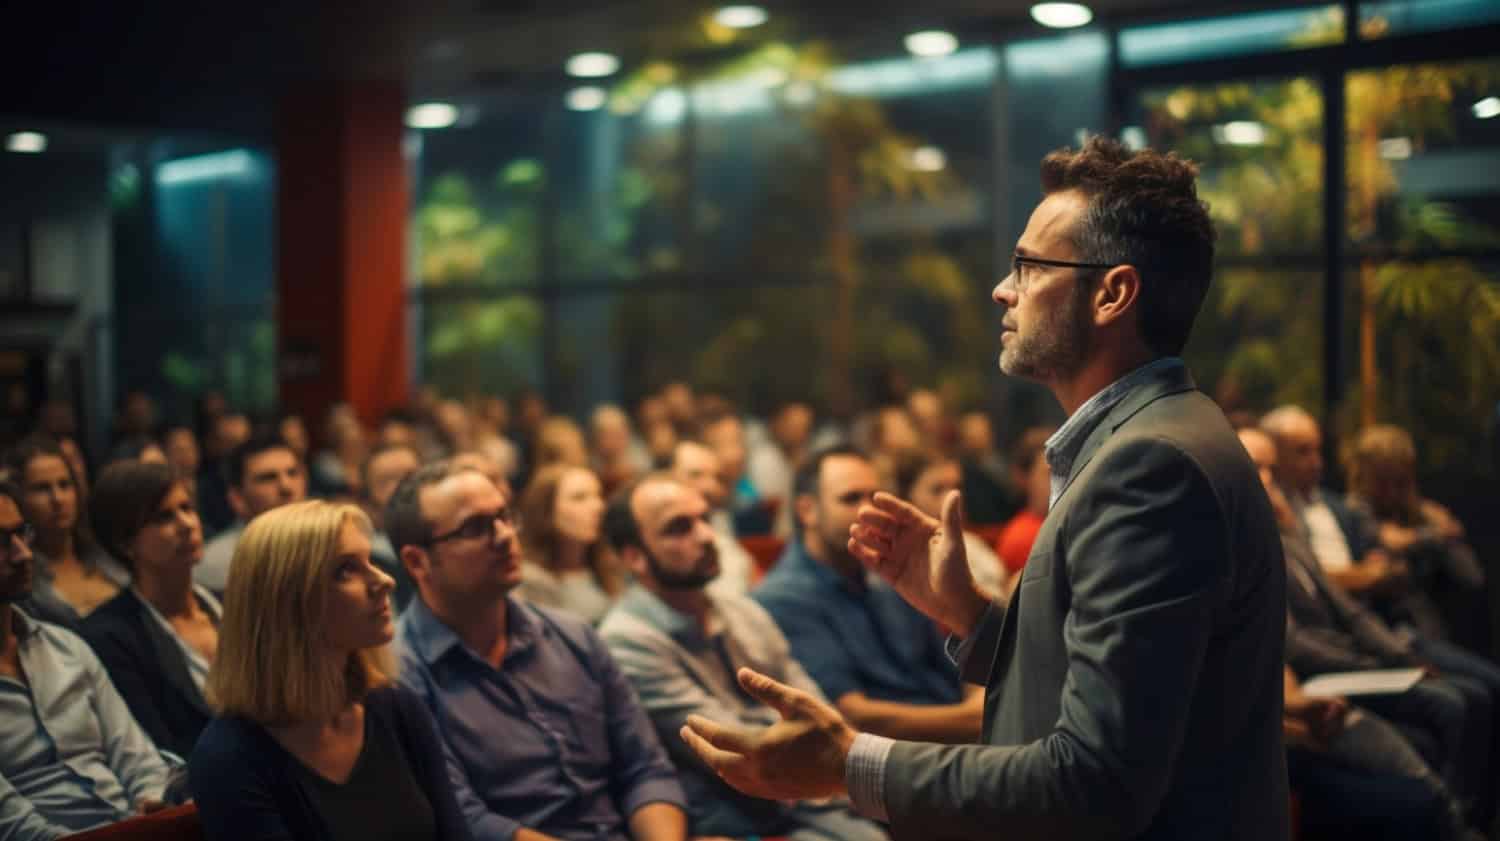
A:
<point x="1134" y="681"/>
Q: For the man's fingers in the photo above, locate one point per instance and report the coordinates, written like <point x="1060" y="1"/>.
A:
<point x="720" y="760"/>
<point x="774" y="694"/>
<point x="875" y="519"/>
<point x="734" y="739"/>
<point x="900" y="510"/>
<point x="953" y="513"/>
<point x="864" y="554"/>
<point x="873" y="538"/>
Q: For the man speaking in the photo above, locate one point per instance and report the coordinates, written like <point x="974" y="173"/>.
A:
<point x="1133" y="682"/>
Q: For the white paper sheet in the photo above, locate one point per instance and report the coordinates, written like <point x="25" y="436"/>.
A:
<point x="1371" y="682"/>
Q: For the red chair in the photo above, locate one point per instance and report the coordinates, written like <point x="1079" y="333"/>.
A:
<point x="764" y="549"/>
<point x="179" y="823"/>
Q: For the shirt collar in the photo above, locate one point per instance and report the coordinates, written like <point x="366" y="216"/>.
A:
<point x="804" y="562"/>
<point x="1065" y="445"/>
<point x="649" y="608"/>
<point x="431" y="639"/>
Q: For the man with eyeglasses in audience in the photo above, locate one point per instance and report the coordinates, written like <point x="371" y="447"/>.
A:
<point x="544" y="736"/>
<point x="71" y="755"/>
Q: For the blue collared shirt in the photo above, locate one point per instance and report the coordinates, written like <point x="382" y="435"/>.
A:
<point x="1065" y="445"/>
<point x="71" y="755"/>
<point x="554" y="740"/>
<point x="857" y="636"/>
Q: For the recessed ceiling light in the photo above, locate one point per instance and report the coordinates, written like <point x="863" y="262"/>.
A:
<point x="1061" y="15"/>
<point x="931" y="43"/>
<point x="592" y="65"/>
<point x="587" y="98"/>
<point x="927" y="159"/>
<point x="740" y="17"/>
<point x="28" y="142"/>
<point x="431" y="115"/>
<point x="1488" y="107"/>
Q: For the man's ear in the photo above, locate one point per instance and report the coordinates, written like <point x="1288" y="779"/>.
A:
<point x="805" y="508"/>
<point x="238" y="503"/>
<point x="1118" y="295"/>
<point x="416" y="560"/>
<point x="635" y="561"/>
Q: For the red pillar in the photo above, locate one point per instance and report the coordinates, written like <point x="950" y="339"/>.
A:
<point x="341" y="222"/>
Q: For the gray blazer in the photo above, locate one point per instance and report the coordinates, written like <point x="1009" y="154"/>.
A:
<point x="1134" y="684"/>
<point x="1327" y="630"/>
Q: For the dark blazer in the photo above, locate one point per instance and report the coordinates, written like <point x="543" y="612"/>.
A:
<point x="246" y="788"/>
<point x="147" y="666"/>
<point x="1327" y="630"/>
<point x="1134" y="684"/>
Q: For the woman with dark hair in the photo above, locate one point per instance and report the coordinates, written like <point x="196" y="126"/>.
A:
<point x="312" y="739"/>
<point x="73" y="576"/>
<point x="566" y="563"/>
<point x="158" y="638"/>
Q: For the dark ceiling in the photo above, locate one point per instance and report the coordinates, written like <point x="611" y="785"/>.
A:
<point x="219" y="65"/>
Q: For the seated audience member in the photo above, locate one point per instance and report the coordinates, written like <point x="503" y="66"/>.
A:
<point x="1447" y="580"/>
<point x="181" y="447"/>
<point x="681" y="646"/>
<point x="1344" y="542"/>
<point x="925" y="480"/>
<point x="698" y="467"/>
<point x="926" y="409"/>
<point x="223" y="432"/>
<point x="263" y="473"/>
<point x="1329" y="631"/>
<point x="559" y="441"/>
<point x="491" y="425"/>
<point x="1348" y="790"/>
<point x="1034" y="478"/>
<point x="724" y="433"/>
<point x="384" y="469"/>
<point x="566" y="564"/>
<point x="71" y="756"/>
<point x="614" y="458"/>
<point x="334" y="471"/>
<point x="893" y="436"/>
<point x="138" y="449"/>
<point x="312" y="740"/>
<point x="772" y="461"/>
<point x="876" y="657"/>
<point x="989" y="495"/>
<point x="293" y="430"/>
<point x="73" y="576"/>
<point x="157" y="639"/>
<point x="544" y="735"/>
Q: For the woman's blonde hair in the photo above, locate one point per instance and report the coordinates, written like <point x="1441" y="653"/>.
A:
<point x="272" y="666"/>
<point x="1382" y="468"/>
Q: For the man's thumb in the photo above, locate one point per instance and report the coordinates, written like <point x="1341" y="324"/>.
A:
<point x="953" y="514"/>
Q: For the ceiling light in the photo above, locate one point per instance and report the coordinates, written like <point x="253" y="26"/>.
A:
<point x="1487" y="107"/>
<point x="1061" y="15"/>
<point x="740" y="17"/>
<point x="666" y="107"/>
<point x="30" y="142"/>
<point x="1240" y="133"/>
<point x="1395" y="148"/>
<point x="430" y="115"/>
<point x="587" y="98"/>
<point x="592" y="65"/>
<point x="927" y="159"/>
<point x="931" y="43"/>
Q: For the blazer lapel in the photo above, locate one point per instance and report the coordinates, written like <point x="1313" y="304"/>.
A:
<point x="1174" y="380"/>
<point x="173" y="663"/>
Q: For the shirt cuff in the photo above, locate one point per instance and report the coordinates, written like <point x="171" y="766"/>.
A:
<point x="864" y="772"/>
<point x="655" y="791"/>
<point x="957" y="648"/>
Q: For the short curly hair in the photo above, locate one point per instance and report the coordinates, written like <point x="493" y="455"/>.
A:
<point x="1143" y="211"/>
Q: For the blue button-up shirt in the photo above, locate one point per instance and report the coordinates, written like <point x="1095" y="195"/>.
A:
<point x="554" y="740"/>
<point x="1065" y="445"/>
<point x="857" y="636"/>
<point x="71" y="755"/>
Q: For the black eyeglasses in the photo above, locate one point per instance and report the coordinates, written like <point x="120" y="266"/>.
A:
<point x="1018" y="260"/>
<point x="24" y="531"/>
<point x="475" y="527"/>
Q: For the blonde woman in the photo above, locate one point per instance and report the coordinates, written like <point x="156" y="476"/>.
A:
<point x="567" y="564"/>
<point x="312" y="741"/>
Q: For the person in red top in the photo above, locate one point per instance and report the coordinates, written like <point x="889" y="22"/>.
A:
<point x="1033" y="477"/>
